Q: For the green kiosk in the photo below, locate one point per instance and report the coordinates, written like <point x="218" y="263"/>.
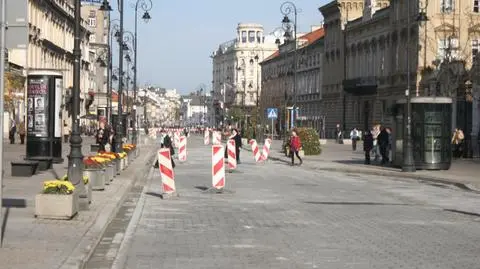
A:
<point x="431" y="132"/>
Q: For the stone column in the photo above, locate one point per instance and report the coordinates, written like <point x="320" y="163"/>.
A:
<point x="475" y="120"/>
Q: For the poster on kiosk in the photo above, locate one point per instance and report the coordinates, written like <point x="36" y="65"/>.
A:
<point x="44" y="117"/>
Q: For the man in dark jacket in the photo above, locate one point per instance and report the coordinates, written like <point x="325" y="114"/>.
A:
<point x="383" y="141"/>
<point x="367" y="145"/>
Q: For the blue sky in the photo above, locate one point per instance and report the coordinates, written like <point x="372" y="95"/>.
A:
<point x="174" y="47"/>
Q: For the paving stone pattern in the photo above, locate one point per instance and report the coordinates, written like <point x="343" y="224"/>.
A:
<point x="290" y="217"/>
<point x="46" y="244"/>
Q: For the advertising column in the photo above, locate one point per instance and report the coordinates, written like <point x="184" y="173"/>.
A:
<point x="44" y="97"/>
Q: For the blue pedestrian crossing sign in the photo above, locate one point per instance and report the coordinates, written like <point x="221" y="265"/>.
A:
<point x="272" y="113"/>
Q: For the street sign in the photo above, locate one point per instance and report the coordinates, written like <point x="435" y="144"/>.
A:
<point x="272" y="113"/>
<point x="17" y="20"/>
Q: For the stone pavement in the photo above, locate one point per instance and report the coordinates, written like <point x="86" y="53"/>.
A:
<point x="288" y="217"/>
<point x="340" y="157"/>
<point x="46" y="244"/>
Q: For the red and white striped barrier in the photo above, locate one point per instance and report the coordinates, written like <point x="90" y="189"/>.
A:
<point x="216" y="137"/>
<point x="166" y="171"/>
<point x="176" y="139"/>
<point x="206" y="137"/>
<point x="232" y="155"/>
<point x="182" y="149"/>
<point x="256" y="152"/>
<point x="266" y="149"/>
<point x="218" y="167"/>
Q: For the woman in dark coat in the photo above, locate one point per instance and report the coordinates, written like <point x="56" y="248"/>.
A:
<point x="167" y="143"/>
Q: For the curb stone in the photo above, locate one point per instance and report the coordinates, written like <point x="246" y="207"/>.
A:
<point x="463" y="186"/>
<point x="86" y="247"/>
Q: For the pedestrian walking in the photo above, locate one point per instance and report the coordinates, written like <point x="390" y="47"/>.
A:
<point x="376" y="147"/>
<point x="383" y="141"/>
<point x="21" y="132"/>
<point x="295" y="146"/>
<point x="102" y="137"/>
<point x="457" y="142"/>
<point x="238" y="143"/>
<point x="367" y="145"/>
<point x="354" y="136"/>
<point x="12" y="131"/>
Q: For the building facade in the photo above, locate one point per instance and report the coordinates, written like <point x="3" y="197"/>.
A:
<point x="368" y="53"/>
<point x="97" y="22"/>
<point x="278" y="76"/>
<point x="237" y="71"/>
<point x="51" y="26"/>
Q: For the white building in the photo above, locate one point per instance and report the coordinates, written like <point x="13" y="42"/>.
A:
<point x="97" y="22"/>
<point x="50" y="48"/>
<point x="162" y="106"/>
<point x="236" y="69"/>
<point x="195" y="110"/>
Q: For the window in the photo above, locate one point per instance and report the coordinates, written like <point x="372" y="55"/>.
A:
<point x="475" y="48"/>
<point x="447" y="48"/>
<point x="251" y="36"/>
<point x="259" y="37"/>
<point x="447" y="6"/>
<point x="244" y="37"/>
<point x="92" y="22"/>
<point x="476" y="6"/>
<point x="92" y="18"/>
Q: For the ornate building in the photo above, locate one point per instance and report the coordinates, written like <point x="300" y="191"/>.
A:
<point x="277" y="81"/>
<point x="51" y="25"/>
<point x="236" y="68"/>
<point x="367" y="53"/>
<point x="97" y="22"/>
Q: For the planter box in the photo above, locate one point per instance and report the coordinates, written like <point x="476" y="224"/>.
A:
<point x="97" y="181"/>
<point x="56" y="206"/>
<point x="118" y="163"/>
<point x="110" y="171"/>
<point x="347" y="141"/>
<point x="88" y="194"/>
<point x="122" y="164"/>
<point x="323" y="141"/>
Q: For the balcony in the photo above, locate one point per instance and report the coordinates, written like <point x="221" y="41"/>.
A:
<point x="361" y="86"/>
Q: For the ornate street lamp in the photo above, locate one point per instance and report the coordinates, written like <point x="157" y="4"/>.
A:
<point x="105" y="6"/>
<point x="75" y="158"/>
<point x="288" y="8"/>
<point x="146" y="6"/>
<point x="408" y="159"/>
<point x="119" y="128"/>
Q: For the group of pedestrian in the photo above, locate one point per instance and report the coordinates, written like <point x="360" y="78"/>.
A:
<point x="20" y="130"/>
<point x="377" y="142"/>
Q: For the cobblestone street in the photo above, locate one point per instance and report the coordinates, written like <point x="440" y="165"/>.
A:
<point x="289" y="217"/>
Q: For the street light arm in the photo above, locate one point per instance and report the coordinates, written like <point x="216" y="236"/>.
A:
<point x="145" y="5"/>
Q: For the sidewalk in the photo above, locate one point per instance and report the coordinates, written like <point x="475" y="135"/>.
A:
<point x="47" y="244"/>
<point x="340" y="157"/>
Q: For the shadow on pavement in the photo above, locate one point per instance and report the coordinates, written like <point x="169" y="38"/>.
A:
<point x="202" y="188"/>
<point x="354" y="203"/>
<point x="154" y="194"/>
<point x="8" y="203"/>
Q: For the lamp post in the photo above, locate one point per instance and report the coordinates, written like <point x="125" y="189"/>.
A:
<point x="119" y="128"/>
<point x="408" y="159"/>
<point x="75" y="158"/>
<point x="287" y="8"/>
<point x="145" y="5"/>
<point x="105" y="7"/>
